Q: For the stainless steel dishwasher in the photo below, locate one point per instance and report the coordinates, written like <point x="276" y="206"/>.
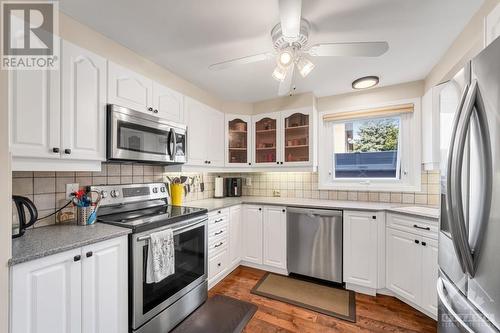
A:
<point x="314" y="243"/>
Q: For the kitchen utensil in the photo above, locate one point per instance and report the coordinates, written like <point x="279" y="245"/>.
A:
<point x="202" y="184"/>
<point x="183" y="179"/>
<point x="20" y="221"/>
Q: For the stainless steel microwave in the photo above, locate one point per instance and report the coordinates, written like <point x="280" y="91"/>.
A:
<point x="135" y="136"/>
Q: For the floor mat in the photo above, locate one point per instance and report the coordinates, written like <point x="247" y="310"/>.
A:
<point x="332" y="301"/>
<point x="219" y="314"/>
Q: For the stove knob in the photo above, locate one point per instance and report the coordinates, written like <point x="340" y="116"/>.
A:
<point x="162" y="189"/>
<point x="155" y="189"/>
<point x="104" y="194"/>
<point x="115" y="193"/>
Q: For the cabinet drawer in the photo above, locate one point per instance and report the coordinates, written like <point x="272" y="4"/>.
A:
<point x="217" y="232"/>
<point x="218" y="213"/>
<point x="217" y="264"/>
<point x="217" y="244"/>
<point x="418" y="226"/>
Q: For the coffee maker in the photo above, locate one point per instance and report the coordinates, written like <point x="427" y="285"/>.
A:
<point x="233" y="186"/>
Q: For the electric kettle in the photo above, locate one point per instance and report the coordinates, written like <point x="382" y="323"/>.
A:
<point x="20" y="220"/>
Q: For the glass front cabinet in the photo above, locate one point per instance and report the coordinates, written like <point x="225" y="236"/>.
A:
<point x="238" y="140"/>
<point x="297" y="136"/>
<point x="266" y="139"/>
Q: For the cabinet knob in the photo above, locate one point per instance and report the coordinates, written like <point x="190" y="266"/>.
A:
<point x="283" y="210"/>
<point x="209" y="162"/>
<point x="77" y="258"/>
<point x="260" y="208"/>
<point x="55" y="150"/>
<point x="417" y="241"/>
<point x="277" y="162"/>
<point x="424" y="243"/>
<point x="155" y="111"/>
<point x="150" y="109"/>
<point x="67" y="151"/>
<point x="219" y="264"/>
<point x="374" y="217"/>
<point x="89" y="254"/>
<point x="281" y="162"/>
<point x="249" y="163"/>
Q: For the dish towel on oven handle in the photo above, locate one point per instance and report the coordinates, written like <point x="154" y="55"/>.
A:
<point x="161" y="256"/>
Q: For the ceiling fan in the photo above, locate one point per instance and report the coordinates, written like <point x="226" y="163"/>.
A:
<point x="290" y="38"/>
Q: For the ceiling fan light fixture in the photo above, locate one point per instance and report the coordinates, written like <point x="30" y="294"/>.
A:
<point x="365" y="82"/>
<point x="285" y="58"/>
<point x="279" y="73"/>
<point x="305" y="66"/>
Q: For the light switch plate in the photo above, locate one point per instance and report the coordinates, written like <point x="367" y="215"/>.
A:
<point x="71" y="188"/>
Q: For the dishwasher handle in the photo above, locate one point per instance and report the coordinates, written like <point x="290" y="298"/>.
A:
<point x="314" y="212"/>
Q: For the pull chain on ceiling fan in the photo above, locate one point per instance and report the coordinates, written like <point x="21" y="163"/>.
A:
<point x="290" y="38"/>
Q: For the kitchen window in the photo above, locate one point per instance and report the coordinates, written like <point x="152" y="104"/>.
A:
<point x="371" y="149"/>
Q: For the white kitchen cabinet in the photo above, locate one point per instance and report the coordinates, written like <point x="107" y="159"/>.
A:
<point x="274" y="236"/>
<point x="205" y="136"/>
<point x="252" y="234"/>
<point x="235" y="233"/>
<point x="169" y="103"/>
<point x="492" y="26"/>
<point x="297" y="137"/>
<point x="83" y="104"/>
<point x="34" y="113"/>
<point x="266" y="139"/>
<point x="360" y="248"/>
<point x="71" y="292"/>
<point x="129" y="89"/>
<point x="404" y="264"/>
<point x="104" y="285"/>
<point x="46" y="295"/>
<point x="238" y="140"/>
<point x="429" y="274"/>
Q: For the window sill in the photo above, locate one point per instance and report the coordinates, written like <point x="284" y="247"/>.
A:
<point x="372" y="187"/>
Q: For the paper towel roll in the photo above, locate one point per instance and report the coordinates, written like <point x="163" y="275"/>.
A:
<point x="219" y="187"/>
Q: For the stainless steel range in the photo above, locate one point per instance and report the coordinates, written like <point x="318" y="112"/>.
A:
<point x="158" y="307"/>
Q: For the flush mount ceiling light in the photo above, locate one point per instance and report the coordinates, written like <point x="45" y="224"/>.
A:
<point x="289" y="40"/>
<point x="365" y="82"/>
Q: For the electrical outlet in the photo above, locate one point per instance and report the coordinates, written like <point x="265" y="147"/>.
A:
<point x="276" y="193"/>
<point x="248" y="181"/>
<point x="71" y="188"/>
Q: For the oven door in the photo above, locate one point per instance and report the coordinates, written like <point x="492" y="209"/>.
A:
<point x="135" y="136"/>
<point x="148" y="300"/>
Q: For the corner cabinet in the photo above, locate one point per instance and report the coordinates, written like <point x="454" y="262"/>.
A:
<point x="205" y="134"/>
<point x="237" y="140"/>
<point x="59" y="115"/>
<point x="81" y="290"/>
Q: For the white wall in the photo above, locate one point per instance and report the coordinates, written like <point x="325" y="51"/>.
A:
<point x="5" y="208"/>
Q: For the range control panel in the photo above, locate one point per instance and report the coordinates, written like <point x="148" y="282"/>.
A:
<point x="120" y="194"/>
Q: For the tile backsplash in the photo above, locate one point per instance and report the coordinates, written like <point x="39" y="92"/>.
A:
<point x="47" y="189"/>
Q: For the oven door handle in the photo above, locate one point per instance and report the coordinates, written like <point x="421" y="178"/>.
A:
<point x="178" y="229"/>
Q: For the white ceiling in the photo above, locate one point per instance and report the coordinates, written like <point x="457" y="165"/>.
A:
<point x="186" y="36"/>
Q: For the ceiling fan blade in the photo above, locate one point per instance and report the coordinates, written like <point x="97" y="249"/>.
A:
<point x="361" y="49"/>
<point x="286" y="84"/>
<point x="290" y="12"/>
<point x="240" y="61"/>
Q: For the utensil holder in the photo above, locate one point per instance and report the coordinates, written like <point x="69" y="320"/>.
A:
<point x="83" y="214"/>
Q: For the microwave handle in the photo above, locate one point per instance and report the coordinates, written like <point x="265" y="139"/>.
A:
<point x="172" y="150"/>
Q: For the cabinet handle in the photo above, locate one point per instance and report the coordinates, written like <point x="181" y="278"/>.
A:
<point x="219" y="220"/>
<point x="218" y="233"/>
<point x="277" y="162"/>
<point x="55" y="150"/>
<point x="374" y="217"/>
<point x="219" y="264"/>
<point x="249" y="163"/>
<point x="77" y="258"/>
<point x="217" y="245"/>
<point x="260" y="208"/>
<point x="150" y="109"/>
<point x="218" y="212"/>
<point x="424" y="243"/>
<point x="67" y="151"/>
<point x="283" y="210"/>
<point x="89" y="254"/>
<point x="209" y="162"/>
<point x="281" y="162"/>
<point x="155" y="111"/>
<point x="422" y="228"/>
<point x="417" y="241"/>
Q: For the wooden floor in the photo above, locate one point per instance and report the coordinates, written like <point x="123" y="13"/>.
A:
<point x="373" y="314"/>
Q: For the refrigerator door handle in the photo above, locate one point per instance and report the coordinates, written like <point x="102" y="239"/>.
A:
<point x="441" y="291"/>
<point x="450" y="207"/>
<point x="458" y="225"/>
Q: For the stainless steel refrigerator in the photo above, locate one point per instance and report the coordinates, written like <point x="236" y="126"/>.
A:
<point x="469" y="239"/>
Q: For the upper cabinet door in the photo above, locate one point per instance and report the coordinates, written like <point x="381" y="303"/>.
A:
<point x="266" y="143"/>
<point x="215" y="148"/>
<point x="297" y="137"/>
<point x="83" y="113"/>
<point x="129" y="89"/>
<point x="238" y="140"/>
<point x="197" y="119"/>
<point x="167" y="103"/>
<point x="492" y="26"/>
<point x="34" y="113"/>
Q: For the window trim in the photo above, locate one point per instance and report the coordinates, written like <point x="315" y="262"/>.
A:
<point x="410" y="159"/>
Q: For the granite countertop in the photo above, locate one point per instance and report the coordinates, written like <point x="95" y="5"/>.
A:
<point x="44" y="241"/>
<point x="214" y="204"/>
